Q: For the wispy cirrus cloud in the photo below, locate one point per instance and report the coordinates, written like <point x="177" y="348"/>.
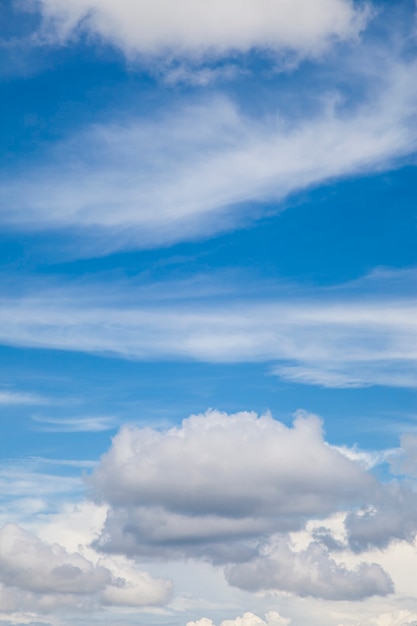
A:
<point x="74" y="424"/>
<point x="344" y="339"/>
<point x="30" y="487"/>
<point x="12" y="397"/>
<point x="208" y="167"/>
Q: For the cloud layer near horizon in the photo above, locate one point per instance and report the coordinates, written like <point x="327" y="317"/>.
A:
<point x="272" y="618"/>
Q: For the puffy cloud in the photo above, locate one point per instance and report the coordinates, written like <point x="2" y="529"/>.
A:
<point x="211" y="486"/>
<point x="309" y="572"/>
<point x="37" y="576"/>
<point x="217" y="486"/>
<point x="132" y="587"/>
<point x="184" y="28"/>
<point x="391" y="516"/>
<point x="405" y="459"/>
<point x="229" y="489"/>
<point x="228" y="465"/>
<point x="27" y="563"/>
<point x="272" y="618"/>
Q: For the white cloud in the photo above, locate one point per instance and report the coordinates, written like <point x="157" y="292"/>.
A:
<point x="92" y="423"/>
<point x="217" y="486"/>
<point x="10" y="397"/>
<point x="73" y="526"/>
<point x="310" y="572"/>
<point x="390" y="517"/>
<point x="396" y="618"/>
<point x="341" y="340"/>
<point x="231" y="467"/>
<point x="405" y="459"/>
<point x="201" y="76"/>
<point x="194" y="28"/>
<point x="42" y="577"/>
<point x="367" y="458"/>
<point x="18" y="481"/>
<point x="229" y="489"/>
<point x="272" y="618"/>
<point x="133" y="587"/>
<point x="29" y="564"/>
<point x="264" y="560"/>
<point x="205" y="168"/>
<point x="30" y="488"/>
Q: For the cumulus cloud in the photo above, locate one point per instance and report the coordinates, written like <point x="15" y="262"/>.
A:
<point x="27" y="563"/>
<point x="310" y="572"/>
<point x="228" y="467"/>
<point x="38" y="576"/>
<point x="184" y="28"/>
<point x="393" y="514"/>
<point x="391" y="517"/>
<point x="272" y="618"/>
<point x="404" y="461"/>
<point x="132" y="587"/>
<point x="217" y="486"/>
<point x="229" y="488"/>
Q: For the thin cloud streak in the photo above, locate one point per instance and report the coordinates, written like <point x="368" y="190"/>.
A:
<point x="333" y="343"/>
<point x="75" y="424"/>
<point x="8" y="397"/>
<point x="194" y="172"/>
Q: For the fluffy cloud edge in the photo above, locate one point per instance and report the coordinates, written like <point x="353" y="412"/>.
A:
<point x="45" y="578"/>
<point x="196" y="29"/>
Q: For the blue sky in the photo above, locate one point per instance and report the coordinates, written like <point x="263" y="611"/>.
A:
<point x="208" y="332"/>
